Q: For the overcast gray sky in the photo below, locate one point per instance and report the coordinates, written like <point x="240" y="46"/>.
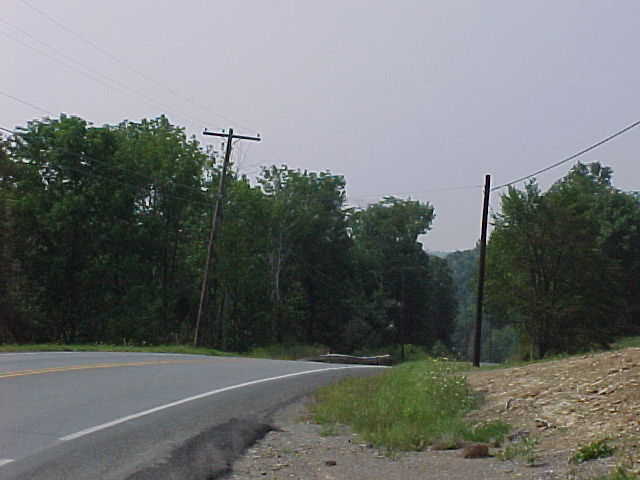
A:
<point x="401" y="97"/>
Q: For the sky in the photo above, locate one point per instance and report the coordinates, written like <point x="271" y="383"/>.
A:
<point x="411" y="98"/>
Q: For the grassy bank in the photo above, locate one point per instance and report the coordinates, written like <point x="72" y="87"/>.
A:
<point x="627" y="342"/>
<point x="276" y="352"/>
<point x="55" y="347"/>
<point x="288" y="352"/>
<point x="409" y="407"/>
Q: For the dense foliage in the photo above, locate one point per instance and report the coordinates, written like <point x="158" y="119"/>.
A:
<point x="563" y="266"/>
<point x="499" y="341"/>
<point x="103" y="234"/>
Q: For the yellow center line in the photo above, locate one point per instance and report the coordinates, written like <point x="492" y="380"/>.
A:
<point x="20" y="373"/>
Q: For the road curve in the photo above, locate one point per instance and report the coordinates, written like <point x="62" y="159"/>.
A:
<point x="68" y="415"/>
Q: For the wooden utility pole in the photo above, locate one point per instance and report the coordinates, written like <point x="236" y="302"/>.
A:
<point x="217" y="219"/>
<point x="481" y="261"/>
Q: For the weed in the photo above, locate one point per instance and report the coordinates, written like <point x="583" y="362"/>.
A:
<point x="524" y="448"/>
<point x="597" y="449"/>
<point x="448" y="441"/>
<point x="620" y="473"/>
<point x="492" y="432"/>
<point x="328" y="431"/>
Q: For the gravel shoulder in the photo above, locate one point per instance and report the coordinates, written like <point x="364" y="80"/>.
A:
<point x="563" y="404"/>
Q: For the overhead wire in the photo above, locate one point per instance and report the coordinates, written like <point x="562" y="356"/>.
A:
<point x="135" y="96"/>
<point x="415" y="192"/>
<point x="123" y="85"/>
<point x="24" y="102"/>
<point x="572" y="157"/>
<point x="95" y="159"/>
<point x="131" y="68"/>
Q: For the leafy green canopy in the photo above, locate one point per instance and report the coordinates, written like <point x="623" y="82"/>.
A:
<point x="562" y="265"/>
<point x="407" y="295"/>
<point x="103" y="238"/>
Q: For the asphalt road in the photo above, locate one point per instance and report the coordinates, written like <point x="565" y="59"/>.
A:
<point x="135" y="415"/>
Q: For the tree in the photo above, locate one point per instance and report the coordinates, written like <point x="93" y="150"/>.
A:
<point x="98" y="239"/>
<point x="308" y="254"/>
<point x="10" y="324"/>
<point x="409" y="295"/>
<point x="103" y="233"/>
<point x="547" y="272"/>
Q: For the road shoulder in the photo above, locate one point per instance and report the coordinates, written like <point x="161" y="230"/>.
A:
<point x="299" y="448"/>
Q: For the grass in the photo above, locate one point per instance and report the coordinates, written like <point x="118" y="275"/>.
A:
<point x="523" y="448"/>
<point x="412" y="353"/>
<point x="55" y="347"/>
<point x="278" y="352"/>
<point x="597" y="449"/>
<point x="619" y="344"/>
<point x="620" y="473"/>
<point x="409" y="407"/>
<point x="288" y="352"/>
<point x="627" y="342"/>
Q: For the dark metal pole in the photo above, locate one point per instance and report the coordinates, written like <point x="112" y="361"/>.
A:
<point x="212" y="236"/>
<point x="481" y="263"/>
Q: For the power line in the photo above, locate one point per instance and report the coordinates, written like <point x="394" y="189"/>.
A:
<point x="138" y="97"/>
<point x="445" y="189"/>
<point x="568" y="159"/>
<point x="24" y="103"/>
<point x="129" y="67"/>
<point x="94" y="71"/>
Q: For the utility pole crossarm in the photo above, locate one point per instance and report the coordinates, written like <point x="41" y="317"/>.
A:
<point x="231" y="135"/>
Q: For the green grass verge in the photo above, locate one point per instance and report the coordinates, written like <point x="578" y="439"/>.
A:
<point x="288" y="352"/>
<point x="277" y="352"/>
<point x="55" y="347"/>
<point x="627" y="342"/>
<point x="409" y="407"/>
<point x="619" y="344"/>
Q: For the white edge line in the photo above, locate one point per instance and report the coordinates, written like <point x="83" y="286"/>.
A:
<point x="4" y="461"/>
<point x="117" y="421"/>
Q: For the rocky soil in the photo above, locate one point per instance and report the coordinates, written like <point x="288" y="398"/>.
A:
<point x="562" y="404"/>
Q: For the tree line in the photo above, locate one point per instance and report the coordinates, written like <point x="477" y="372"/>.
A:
<point x="563" y="266"/>
<point x="103" y="237"/>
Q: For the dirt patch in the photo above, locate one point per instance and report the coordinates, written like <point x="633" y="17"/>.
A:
<point x="562" y="405"/>
<point x="569" y="403"/>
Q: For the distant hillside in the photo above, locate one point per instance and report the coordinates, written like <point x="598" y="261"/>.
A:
<point x="498" y="343"/>
<point x="464" y="268"/>
<point x="439" y="253"/>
